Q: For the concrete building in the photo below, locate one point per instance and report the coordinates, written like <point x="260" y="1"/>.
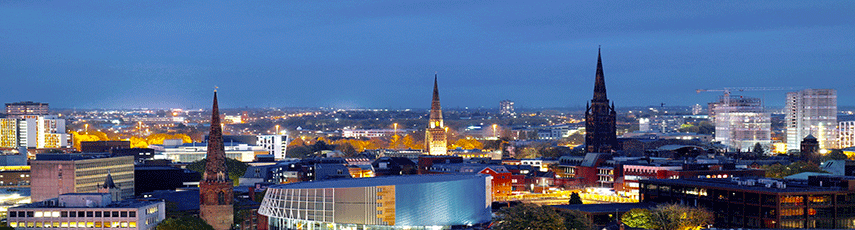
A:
<point x="741" y="122"/>
<point x="398" y="202"/>
<point x="27" y="108"/>
<point x="87" y="211"/>
<point x="373" y="133"/>
<point x="845" y="134"/>
<point x="190" y="152"/>
<point x="55" y="174"/>
<point x="811" y="111"/>
<point x="506" y="108"/>
<point x="33" y="131"/>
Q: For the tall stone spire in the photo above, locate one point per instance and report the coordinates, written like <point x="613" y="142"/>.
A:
<point x="435" y="108"/>
<point x="600" y="136"/>
<point x="435" y="136"/>
<point x="600" y="81"/>
<point x="216" y="190"/>
<point x="215" y="167"/>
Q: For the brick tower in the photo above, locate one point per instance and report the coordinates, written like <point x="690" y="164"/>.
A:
<point x="600" y="136"/>
<point x="215" y="189"/>
<point x="435" y="141"/>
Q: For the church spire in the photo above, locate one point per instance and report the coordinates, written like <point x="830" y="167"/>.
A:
<point x="435" y="108"/>
<point x="600" y="82"/>
<point x="215" y="167"/>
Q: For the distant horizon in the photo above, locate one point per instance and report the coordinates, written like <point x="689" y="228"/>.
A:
<point x="370" y="54"/>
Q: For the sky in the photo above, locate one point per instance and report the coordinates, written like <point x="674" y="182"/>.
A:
<point x="384" y="54"/>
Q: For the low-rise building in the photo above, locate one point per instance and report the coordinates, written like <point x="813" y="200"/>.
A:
<point x="87" y="210"/>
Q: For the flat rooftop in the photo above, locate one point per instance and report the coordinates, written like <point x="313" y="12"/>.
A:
<point x="378" y="181"/>
<point x="605" y="208"/>
<point x="727" y="183"/>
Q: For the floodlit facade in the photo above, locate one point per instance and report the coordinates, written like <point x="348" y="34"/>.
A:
<point x="846" y="134"/>
<point x="811" y="111"/>
<point x="740" y="123"/>
<point x="33" y="131"/>
<point x="395" y="202"/>
<point x="87" y="211"/>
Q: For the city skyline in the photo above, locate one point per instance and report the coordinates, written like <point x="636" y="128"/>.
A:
<point x="381" y="54"/>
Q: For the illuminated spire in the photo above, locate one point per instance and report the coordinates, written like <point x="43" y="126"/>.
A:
<point x="435" y="108"/>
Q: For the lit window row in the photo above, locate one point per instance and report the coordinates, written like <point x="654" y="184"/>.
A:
<point x="81" y="224"/>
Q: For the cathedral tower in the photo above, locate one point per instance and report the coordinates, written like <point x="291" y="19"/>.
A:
<point x="600" y="136"/>
<point x="216" y="189"/>
<point x="435" y="141"/>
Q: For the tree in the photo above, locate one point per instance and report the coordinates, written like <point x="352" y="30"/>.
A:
<point x="758" y="149"/>
<point x="528" y="216"/>
<point x="532" y="216"/>
<point x="835" y="154"/>
<point x="679" y="217"/>
<point x="637" y="218"/>
<point x="236" y="168"/>
<point x="575" y="199"/>
<point x="575" y="220"/>
<point x="184" y="222"/>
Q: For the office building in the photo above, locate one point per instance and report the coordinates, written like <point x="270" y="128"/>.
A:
<point x="845" y="134"/>
<point x="397" y="202"/>
<point x="87" y="211"/>
<point x="506" y="108"/>
<point x="435" y="139"/>
<point x="27" y="108"/>
<point x="216" y="192"/>
<point x="190" y="152"/>
<point x="600" y="131"/>
<point x="55" y="174"/>
<point x="103" y="146"/>
<point x="820" y="202"/>
<point x="811" y="111"/>
<point x="741" y="123"/>
<point x="33" y="131"/>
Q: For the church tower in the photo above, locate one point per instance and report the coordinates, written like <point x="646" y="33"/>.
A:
<point x="600" y="136"/>
<point x="110" y="187"/>
<point x="435" y="141"/>
<point x="215" y="189"/>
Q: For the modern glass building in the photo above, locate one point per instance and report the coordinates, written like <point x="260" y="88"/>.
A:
<point x="394" y="202"/>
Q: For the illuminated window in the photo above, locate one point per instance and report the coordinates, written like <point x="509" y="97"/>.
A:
<point x="132" y="224"/>
<point x="38" y="214"/>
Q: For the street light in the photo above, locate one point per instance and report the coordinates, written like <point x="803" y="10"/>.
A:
<point x="494" y="130"/>
<point x="396" y="129"/>
<point x="277" y="129"/>
<point x="87" y="128"/>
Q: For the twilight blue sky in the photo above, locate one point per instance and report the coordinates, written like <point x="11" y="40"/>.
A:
<point x="159" y="54"/>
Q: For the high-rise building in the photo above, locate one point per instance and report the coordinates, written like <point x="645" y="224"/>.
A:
<point x="697" y="109"/>
<point x="845" y="134"/>
<point x="506" y="108"/>
<point x="55" y="174"/>
<point x="216" y="190"/>
<point x="33" y="131"/>
<point x="741" y="123"/>
<point x="27" y="108"/>
<point x="600" y="136"/>
<point x="811" y="111"/>
<point x="435" y="141"/>
<point x="88" y="211"/>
